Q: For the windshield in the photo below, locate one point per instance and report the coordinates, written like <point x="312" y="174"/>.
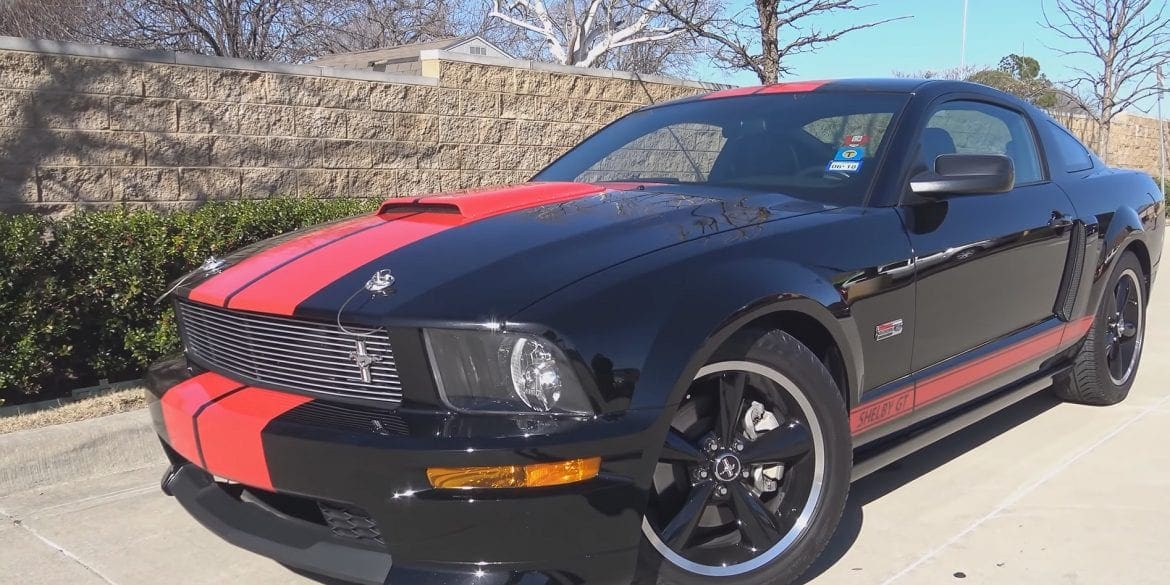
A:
<point x="819" y="146"/>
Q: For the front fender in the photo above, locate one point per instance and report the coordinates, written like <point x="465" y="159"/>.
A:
<point x="646" y="326"/>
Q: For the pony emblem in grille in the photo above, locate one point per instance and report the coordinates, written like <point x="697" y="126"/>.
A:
<point x="364" y="360"/>
<point x="284" y="353"/>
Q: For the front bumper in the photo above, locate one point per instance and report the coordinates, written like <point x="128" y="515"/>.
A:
<point x="375" y="462"/>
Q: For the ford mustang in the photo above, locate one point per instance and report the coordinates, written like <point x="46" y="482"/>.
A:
<point x="667" y="356"/>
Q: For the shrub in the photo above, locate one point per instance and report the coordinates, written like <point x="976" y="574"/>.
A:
<point x="77" y="294"/>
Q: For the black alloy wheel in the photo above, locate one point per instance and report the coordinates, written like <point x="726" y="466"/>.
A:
<point x="750" y="470"/>
<point x="1123" y="327"/>
<point x="1104" y="369"/>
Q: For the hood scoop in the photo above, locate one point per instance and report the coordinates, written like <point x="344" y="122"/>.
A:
<point x="490" y="201"/>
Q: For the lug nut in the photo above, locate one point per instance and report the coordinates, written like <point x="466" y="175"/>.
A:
<point x="723" y="490"/>
<point x="738" y="445"/>
<point x="703" y="474"/>
<point x="746" y="474"/>
<point x="712" y="444"/>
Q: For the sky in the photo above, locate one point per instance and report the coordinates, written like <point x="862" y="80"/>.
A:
<point x="930" y="39"/>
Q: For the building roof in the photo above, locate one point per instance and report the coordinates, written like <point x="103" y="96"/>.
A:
<point x="399" y="53"/>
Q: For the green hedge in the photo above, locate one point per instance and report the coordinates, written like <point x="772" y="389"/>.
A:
<point x="77" y="294"/>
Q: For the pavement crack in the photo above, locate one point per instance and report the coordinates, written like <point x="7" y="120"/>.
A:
<point x="1027" y="489"/>
<point x="60" y="549"/>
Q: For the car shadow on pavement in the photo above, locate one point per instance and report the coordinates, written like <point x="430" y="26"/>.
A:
<point x="900" y="473"/>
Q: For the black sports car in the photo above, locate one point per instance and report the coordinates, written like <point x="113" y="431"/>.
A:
<point x="667" y="356"/>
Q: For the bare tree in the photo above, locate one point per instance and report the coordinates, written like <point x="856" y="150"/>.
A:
<point x="952" y="74"/>
<point x="582" y="32"/>
<point x="59" y="20"/>
<point x="1127" y="40"/>
<point x="674" y="56"/>
<point x="276" y="30"/>
<point x="356" y="25"/>
<point x="753" y="37"/>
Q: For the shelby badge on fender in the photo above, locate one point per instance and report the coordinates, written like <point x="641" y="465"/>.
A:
<point x="665" y="358"/>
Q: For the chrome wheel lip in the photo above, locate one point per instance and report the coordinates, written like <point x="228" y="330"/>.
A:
<point x="815" y="493"/>
<point x="1139" y="334"/>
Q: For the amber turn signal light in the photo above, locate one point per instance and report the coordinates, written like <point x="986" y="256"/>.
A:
<point x="515" y="476"/>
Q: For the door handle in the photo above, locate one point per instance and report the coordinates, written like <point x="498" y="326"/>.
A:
<point x="1060" y="220"/>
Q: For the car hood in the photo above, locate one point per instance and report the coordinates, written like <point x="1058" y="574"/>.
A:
<point x="473" y="256"/>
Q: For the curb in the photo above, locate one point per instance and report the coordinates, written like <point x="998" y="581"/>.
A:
<point x="77" y="451"/>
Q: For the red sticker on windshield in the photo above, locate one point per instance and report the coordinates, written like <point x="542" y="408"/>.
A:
<point x="856" y="140"/>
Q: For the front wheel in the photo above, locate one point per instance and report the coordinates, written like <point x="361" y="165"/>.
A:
<point x="754" y="474"/>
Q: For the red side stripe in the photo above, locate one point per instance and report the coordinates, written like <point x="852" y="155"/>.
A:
<point x="934" y="388"/>
<point x="889" y="407"/>
<point x="906" y="400"/>
<point x="182" y="402"/>
<point x="1077" y="330"/>
<point x="280" y="292"/>
<point x="217" y="289"/>
<point x="229" y="432"/>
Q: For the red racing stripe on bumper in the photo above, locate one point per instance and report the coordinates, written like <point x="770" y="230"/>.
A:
<point x="181" y="405"/>
<point x="217" y="289"/>
<point x="230" y="433"/>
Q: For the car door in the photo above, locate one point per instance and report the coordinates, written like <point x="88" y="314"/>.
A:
<point x="986" y="265"/>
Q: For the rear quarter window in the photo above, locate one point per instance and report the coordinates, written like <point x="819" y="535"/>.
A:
<point x="1073" y="156"/>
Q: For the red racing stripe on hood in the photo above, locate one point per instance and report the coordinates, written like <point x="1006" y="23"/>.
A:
<point x="407" y="220"/>
<point x="183" y="403"/>
<point x="230" y="433"/>
<point x="219" y="288"/>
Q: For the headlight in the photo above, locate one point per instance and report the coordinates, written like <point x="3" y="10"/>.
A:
<point x="487" y="371"/>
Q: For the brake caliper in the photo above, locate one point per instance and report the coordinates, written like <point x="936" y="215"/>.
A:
<point x="759" y="420"/>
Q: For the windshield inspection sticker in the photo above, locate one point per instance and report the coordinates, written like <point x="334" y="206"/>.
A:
<point x="844" y="166"/>
<point x="850" y="154"/>
<point x="847" y="160"/>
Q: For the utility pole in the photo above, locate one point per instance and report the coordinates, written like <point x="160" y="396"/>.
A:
<point x="963" y="47"/>
<point x="1161" y="133"/>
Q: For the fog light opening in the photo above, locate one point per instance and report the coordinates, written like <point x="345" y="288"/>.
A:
<point x="515" y="476"/>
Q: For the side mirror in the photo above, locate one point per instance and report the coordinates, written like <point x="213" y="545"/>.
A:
<point x="966" y="174"/>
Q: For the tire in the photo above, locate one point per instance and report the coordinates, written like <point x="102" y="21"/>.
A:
<point x="1096" y="377"/>
<point x="787" y="380"/>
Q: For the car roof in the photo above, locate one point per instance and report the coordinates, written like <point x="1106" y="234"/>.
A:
<point x="884" y="85"/>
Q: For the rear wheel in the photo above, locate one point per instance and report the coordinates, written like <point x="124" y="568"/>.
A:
<point x="1108" y="362"/>
<point x="754" y="473"/>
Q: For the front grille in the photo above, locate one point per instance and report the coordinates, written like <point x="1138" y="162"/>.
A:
<point x="283" y="353"/>
<point x="350" y="522"/>
<point x="342" y="417"/>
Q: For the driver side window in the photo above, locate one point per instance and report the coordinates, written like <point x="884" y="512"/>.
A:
<point x="967" y="127"/>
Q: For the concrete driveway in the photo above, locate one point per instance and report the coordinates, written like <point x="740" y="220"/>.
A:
<point x="1045" y="493"/>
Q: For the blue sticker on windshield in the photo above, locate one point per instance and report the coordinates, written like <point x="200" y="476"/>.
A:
<point x="842" y="166"/>
<point x="850" y="153"/>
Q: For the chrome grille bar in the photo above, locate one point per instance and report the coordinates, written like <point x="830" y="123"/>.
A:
<point x="285" y="353"/>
